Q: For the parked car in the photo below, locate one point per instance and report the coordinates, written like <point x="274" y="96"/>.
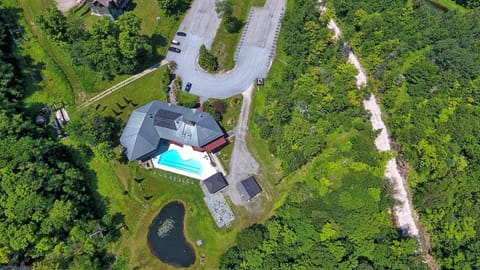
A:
<point x="182" y="34"/>
<point x="188" y="87"/>
<point x="174" y="42"/>
<point x="173" y="49"/>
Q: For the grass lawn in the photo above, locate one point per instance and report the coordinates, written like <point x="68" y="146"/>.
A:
<point x="230" y="117"/>
<point x="225" y="43"/>
<point x="139" y="195"/>
<point x="59" y="81"/>
<point x="140" y="92"/>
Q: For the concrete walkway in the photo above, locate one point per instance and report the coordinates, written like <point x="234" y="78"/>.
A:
<point x="254" y="54"/>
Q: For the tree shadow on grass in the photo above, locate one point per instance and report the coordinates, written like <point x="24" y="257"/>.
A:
<point x="158" y="41"/>
<point x="27" y="73"/>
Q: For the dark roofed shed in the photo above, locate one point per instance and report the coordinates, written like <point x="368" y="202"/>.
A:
<point x="249" y="188"/>
<point x="215" y="182"/>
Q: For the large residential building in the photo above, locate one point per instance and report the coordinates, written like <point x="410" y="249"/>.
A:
<point x="152" y="127"/>
<point x="110" y="8"/>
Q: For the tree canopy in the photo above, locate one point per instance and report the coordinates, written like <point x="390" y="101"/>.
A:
<point x="424" y="65"/>
<point x="48" y="207"/>
<point x="336" y="215"/>
<point x="110" y="47"/>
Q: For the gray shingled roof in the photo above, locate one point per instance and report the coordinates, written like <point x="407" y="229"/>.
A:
<point x="215" y="182"/>
<point x="157" y="120"/>
<point x="249" y="188"/>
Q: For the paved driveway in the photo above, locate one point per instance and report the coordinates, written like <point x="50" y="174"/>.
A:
<point x="254" y="54"/>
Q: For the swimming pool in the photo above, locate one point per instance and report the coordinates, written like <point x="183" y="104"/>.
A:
<point x="172" y="159"/>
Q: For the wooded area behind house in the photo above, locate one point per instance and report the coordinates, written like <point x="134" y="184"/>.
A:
<point x="336" y="216"/>
<point x="425" y="64"/>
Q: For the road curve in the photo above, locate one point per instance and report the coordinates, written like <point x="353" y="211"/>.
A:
<point x="254" y="53"/>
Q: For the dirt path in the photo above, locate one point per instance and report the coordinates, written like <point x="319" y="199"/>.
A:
<point x="404" y="213"/>
<point x="242" y="163"/>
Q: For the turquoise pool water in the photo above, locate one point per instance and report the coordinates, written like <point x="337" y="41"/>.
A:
<point x="172" y="158"/>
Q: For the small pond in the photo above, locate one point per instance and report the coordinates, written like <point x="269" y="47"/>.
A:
<point x="166" y="239"/>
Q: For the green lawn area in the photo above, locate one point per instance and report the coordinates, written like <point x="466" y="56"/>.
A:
<point x="225" y="43"/>
<point x="230" y="117"/>
<point x="58" y="82"/>
<point x="140" y="92"/>
<point x="139" y="194"/>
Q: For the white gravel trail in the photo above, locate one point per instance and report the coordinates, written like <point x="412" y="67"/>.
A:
<point x="403" y="210"/>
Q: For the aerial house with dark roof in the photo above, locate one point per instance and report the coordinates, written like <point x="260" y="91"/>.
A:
<point x="173" y="138"/>
<point x="249" y="188"/>
<point x="109" y="8"/>
<point x="152" y="126"/>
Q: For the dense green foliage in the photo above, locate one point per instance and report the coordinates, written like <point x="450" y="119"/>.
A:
<point x="315" y="97"/>
<point x="336" y="216"/>
<point x="215" y="107"/>
<point x="425" y="64"/>
<point x="96" y="131"/>
<point x="207" y="60"/>
<point x="110" y="48"/>
<point x="10" y="81"/>
<point x="47" y="206"/>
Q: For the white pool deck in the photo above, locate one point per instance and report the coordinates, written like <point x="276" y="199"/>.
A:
<point x="187" y="152"/>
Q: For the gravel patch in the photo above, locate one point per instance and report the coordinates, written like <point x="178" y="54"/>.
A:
<point x="66" y="5"/>
<point x="221" y="212"/>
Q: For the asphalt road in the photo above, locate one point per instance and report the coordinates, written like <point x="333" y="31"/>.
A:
<point x="254" y="54"/>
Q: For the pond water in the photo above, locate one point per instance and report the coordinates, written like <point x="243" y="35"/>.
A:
<point x="166" y="239"/>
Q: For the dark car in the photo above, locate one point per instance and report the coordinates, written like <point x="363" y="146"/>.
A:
<point x="167" y="89"/>
<point x="173" y="49"/>
<point x="182" y="34"/>
<point x="188" y="87"/>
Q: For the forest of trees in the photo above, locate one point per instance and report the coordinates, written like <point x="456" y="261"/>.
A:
<point x="424" y="63"/>
<point x="110" y="47"/>
<point x="336" y="215"/>
<point x="48" y="208"/>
